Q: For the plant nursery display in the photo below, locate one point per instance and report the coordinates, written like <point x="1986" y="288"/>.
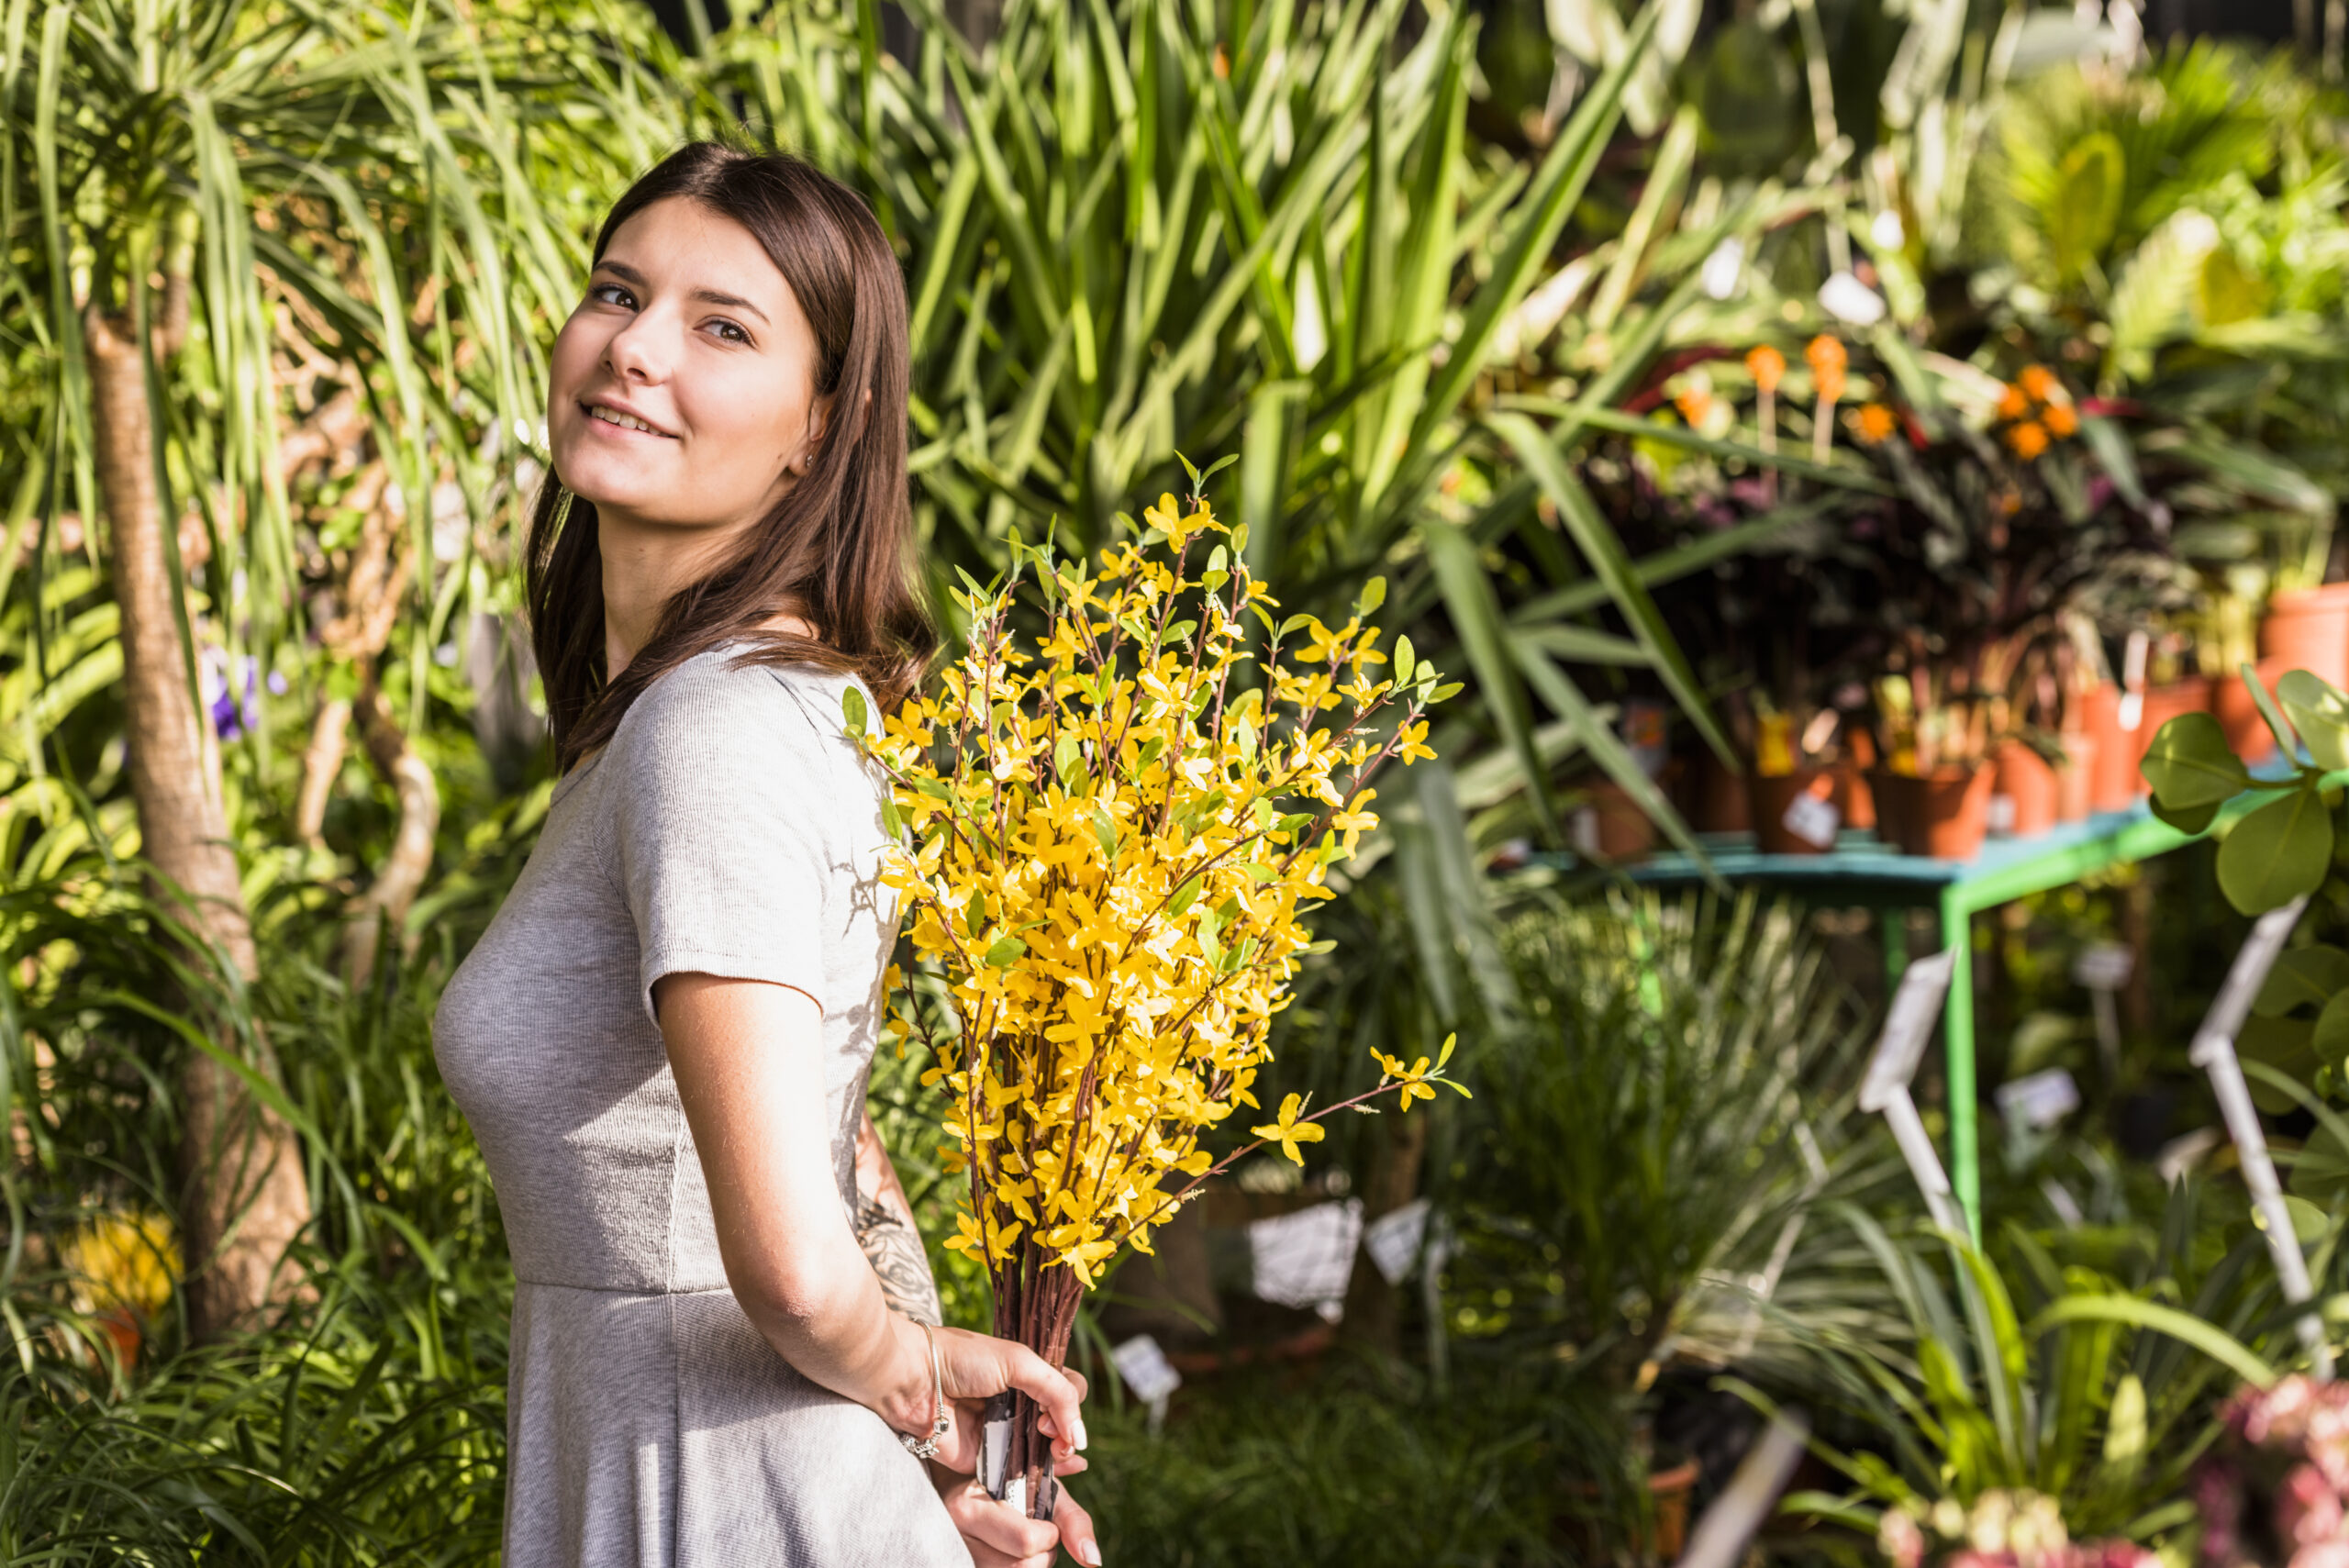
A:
<point x="1116" y="830"/>
<point x="1853" y="414"/>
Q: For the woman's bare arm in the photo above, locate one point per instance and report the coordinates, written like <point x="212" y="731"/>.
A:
<point x="746" y="1057"/>
<point x="886" y="1231"/>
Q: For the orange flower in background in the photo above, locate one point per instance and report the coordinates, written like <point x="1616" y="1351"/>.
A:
<point x="1693" y="405"/>
<point x="1828" y="362"/>
<point x="2014" y="403"/>
<point x="1873" y="423"/>
<point x="1767" y="366"/>
<point x="2040" y="384"/>
<point x="2059" y="420"/>
<point x="2028" y="440"/>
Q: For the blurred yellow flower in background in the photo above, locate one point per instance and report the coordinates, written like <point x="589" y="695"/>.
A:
<point x="124" y="1261"/>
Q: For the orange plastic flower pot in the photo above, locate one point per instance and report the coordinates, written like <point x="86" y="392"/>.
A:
<point x="2025" y="778"/>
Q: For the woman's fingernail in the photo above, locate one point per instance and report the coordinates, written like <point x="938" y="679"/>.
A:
<point x="1080" y="1432"/>
<point x="1088" y="1554"/>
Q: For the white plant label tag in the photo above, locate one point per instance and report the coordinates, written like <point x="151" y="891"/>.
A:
<point x="2039" y="1100"/>
<point x="1813" y="820"/>
<point x="1306" y="1258"/>
<point x="1393" y="1239"/>
<point x="1148" y="1375"/>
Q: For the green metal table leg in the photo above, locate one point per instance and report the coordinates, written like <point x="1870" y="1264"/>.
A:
<point x="1957" y="1054"/>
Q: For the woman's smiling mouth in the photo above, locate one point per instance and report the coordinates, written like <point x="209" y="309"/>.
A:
<point x="604" y="414"/>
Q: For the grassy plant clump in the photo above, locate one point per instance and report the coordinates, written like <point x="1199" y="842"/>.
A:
<point x="1364" y="1463"/>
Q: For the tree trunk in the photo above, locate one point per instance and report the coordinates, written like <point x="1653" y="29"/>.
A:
<point x="243" y="1200"/>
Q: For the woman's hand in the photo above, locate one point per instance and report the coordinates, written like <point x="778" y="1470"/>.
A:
<point x="1000" y="1536"/>
<point x="976" y="1367"/>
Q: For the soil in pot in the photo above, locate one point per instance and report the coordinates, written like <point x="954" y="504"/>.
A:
<point x="1942" y="815"/>
<point x="1793" y="813"/>
<point x="2308" y="628"/>
<point x="2028" y="783"/>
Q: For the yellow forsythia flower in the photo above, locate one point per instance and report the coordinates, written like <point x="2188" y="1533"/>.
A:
<point x="1112" y="829"/>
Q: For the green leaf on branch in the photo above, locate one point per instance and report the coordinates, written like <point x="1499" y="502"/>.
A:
<point x="1180" y="904"/>
<point x="1006" y="952"/>
<point x="852" y="711"/>
<point x="2304" y="977"/>
<point x="2278" y="725"/>
<point x="2189" y="763"/>
<point x="2310" y="1223"/>
<point x="2320" y="713"/>
<point x="2331" y="1037"/>
<point x="2277" y="853"/>
<point x="2286" y="1045"/>
<point x="2189" y="821"/>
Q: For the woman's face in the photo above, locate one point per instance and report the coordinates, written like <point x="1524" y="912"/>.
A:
<point x="682" y="393"/>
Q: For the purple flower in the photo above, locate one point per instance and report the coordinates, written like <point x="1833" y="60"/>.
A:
<point x="233" y="712"/>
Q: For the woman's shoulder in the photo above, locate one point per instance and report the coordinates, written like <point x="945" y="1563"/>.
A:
<point x="733" y="719"/>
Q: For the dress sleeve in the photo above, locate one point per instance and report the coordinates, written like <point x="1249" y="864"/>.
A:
<point x="719" y="841"/>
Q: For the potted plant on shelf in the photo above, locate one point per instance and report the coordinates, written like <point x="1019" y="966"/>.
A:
<point x="2000" y="533"/>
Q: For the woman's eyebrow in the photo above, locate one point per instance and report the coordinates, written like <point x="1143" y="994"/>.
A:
<point x="628" y="274"/>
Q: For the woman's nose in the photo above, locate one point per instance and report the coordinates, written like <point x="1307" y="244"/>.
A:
<point x="634" y="354"/>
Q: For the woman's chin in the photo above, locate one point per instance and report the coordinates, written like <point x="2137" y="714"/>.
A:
<point x="596" y="479"/>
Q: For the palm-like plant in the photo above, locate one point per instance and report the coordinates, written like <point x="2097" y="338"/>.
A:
<point x="2099" y="1393"/>
<point x="1136" y="233"/>
<point x="194" y="196"/>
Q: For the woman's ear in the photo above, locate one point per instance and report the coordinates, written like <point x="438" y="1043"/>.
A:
<point x="819" y="425"/>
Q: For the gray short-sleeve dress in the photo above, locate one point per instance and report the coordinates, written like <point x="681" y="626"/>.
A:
<point x="729" y="828"/>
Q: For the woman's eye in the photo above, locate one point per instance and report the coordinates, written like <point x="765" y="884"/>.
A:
<point x="729" y="332"/>
<point x="600" y="293"/>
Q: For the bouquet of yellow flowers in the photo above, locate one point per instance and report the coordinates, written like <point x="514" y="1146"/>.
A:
<point x="1109" y="840"/>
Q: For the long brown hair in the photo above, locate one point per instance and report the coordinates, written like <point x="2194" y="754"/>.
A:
<point x="837" y="549"/>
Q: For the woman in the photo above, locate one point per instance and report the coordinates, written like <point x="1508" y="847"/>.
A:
<point x="663" y="1039"/>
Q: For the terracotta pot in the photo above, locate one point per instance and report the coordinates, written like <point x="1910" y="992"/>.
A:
<point x="2074" y="775"/>
<point x="1625" y="833"/>
<point x="1671" y="1490"/>
<point x="1942" y="815"/>
<point x="2113" y="763"/>
<point x="2026" y="781"/>
<point x="1852" y="797"/>
<point x="2238" y="712"/>
<point x="1721" y="797"/>
<point x="1784" y="826"/>
<point x="2162" y="704"/>
<point x="1668" y="1489"/>
<point x="2308" y="628"/>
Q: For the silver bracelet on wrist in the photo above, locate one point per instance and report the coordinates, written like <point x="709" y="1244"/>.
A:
<point x="942" y="1420"/>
